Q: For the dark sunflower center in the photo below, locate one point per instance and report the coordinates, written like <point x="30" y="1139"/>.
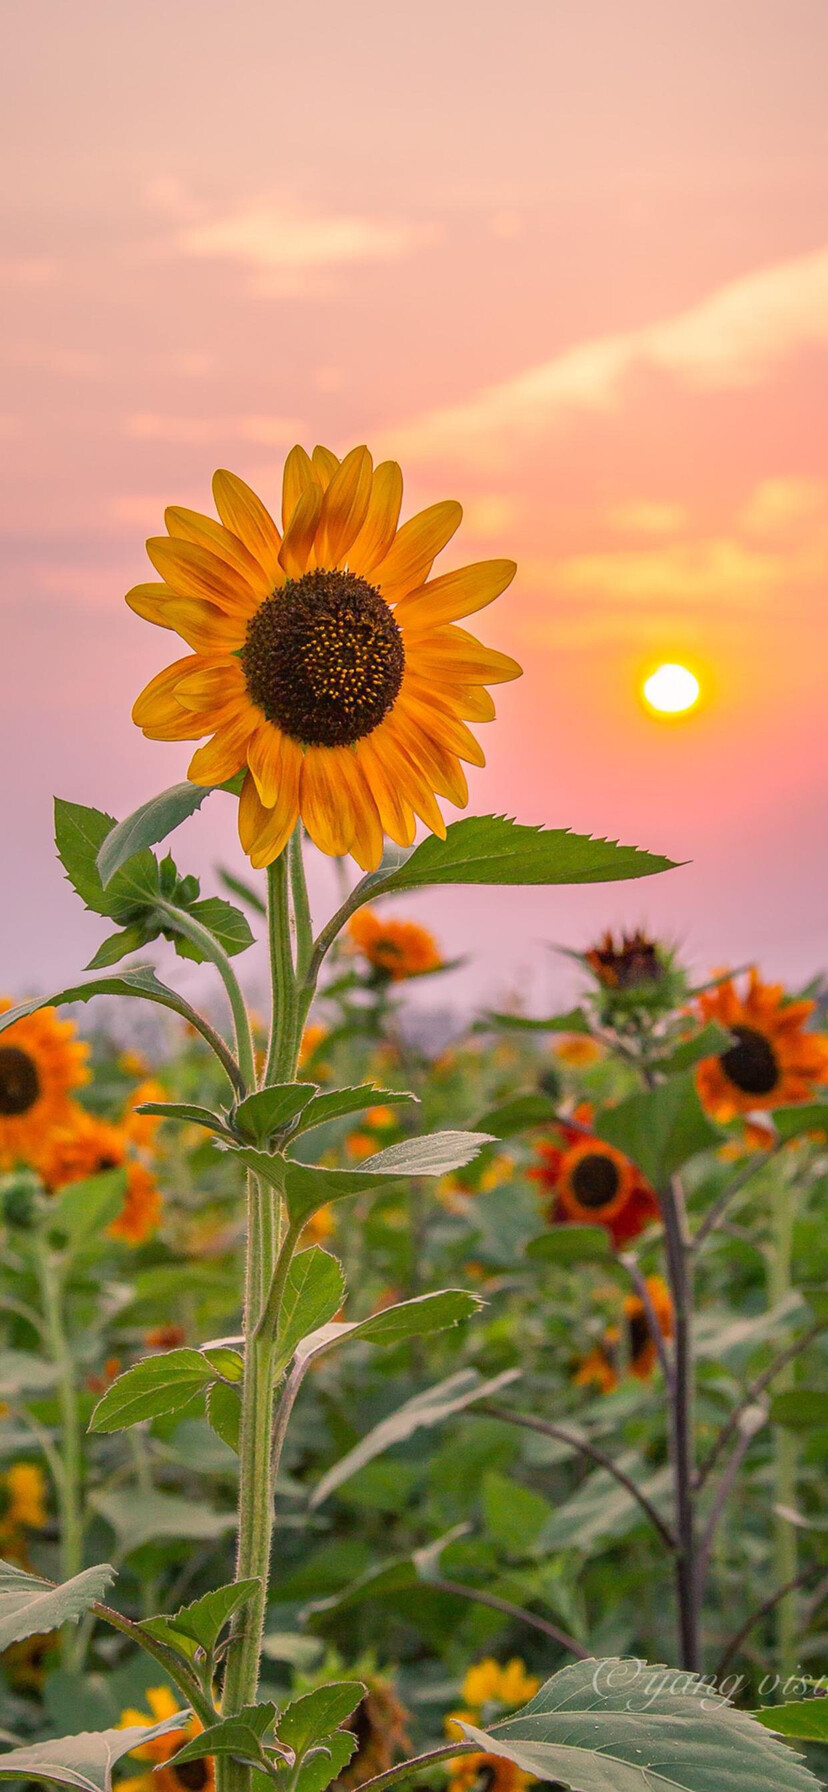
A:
<point x="595" y="1180"/>
<point x="324" y="659"/>
<point x="193" y="1775"/>
<point x="638" y="1331"/>
<point x="752" y="1064"/>
<point x="19" y="1082"/>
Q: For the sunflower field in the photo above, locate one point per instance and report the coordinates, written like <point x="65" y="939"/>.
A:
<point x="383" y="1402"/>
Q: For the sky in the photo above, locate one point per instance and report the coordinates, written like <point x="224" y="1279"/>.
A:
<point x="567" y="263"/>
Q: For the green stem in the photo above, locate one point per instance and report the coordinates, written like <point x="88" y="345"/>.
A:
<point x="71" y="1447"/>
<point x="678" y="1251"/>
<point x="263" y="1284"/>
<point x="192" y="930"/>
<point x="301" y="904"/>
<point x="785" y="1450"/>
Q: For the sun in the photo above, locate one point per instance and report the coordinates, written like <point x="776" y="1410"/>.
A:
<point x="671" y="690"/>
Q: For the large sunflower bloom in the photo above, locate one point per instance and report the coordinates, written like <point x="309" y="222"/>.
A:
<point x="325" y="664"/>
<point x="773" y="1060"/>
<point x="601" y="1367"/>
<point x="42" y="1061"/>
<point x="593" y="1184"/>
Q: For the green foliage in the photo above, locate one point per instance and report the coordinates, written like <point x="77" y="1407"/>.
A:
<point x="334" y="1104"/>
<point x="660" y="1128"/>
<point x="83" y="1762"/>
<point x="309" y="1719"/>
<point x="154" y="821"/>
<point x="430" y="1408"/>
<point x="259" y="1117"/>
<point x="571" y="1244"/>
<point x="313" y="1293"/>
<point x="492" y="849"/>
<point x="156" y="1385"/>
<point x="804" y="1720"/>
<point x="200" y="1625"/>
<point x="622" y="1726"/>
<point x="29" y="1605"/>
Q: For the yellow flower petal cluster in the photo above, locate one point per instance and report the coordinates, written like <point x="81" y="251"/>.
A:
<point x="326" y="664"/>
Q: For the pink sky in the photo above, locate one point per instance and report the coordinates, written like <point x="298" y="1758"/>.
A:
<point x="568" y="263"/>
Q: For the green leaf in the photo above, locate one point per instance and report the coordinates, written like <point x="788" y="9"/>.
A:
<point x="202" y="1622"/>
<point x="567" y="1244"/>
<point x="573" y="1022"/>
<point x="429" y="1408"/>
<point x="805" y="1720"/>
<point x="414" y="1318"/>
<point x="226" y="923"/>
<point x="809" y="1116"/>
<point x="492" y="849"/>
<point x="120" y="945"/>
<point x="186" y="1111"/>
<point x="138" y="1518"/>
<point x="83" y="1210"/>
<point x="224" y="1414"/>
<point x="308" y="1719"/>
<point x="266" y="1113"/>
<point x="146" y="826"/>
<point x="313" y="1293"/>
<point x="524" y="1110"/>
<point x="83" y="1762"/>
<point x="800" y="1409"/>
<point x="308" y="1187"/>
<point x="333" y="1104"/>
<point x="80" y="833"/>
<point x="623" y="1726"/>
<point x="227" y="1361"/>
<point x="238" y="886"/>
<point x="155" y="1385"/>
<point x="239" y="1736"/>
<point x="660" y="1129"/>
<point x="602" y="1511"/>
<point x="326" y="1762"/>
<point x="709" y="1043"/>
<point x="30" y="1606"/>
<point x="514" y="1515"/>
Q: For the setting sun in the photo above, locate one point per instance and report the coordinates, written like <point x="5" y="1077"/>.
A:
<point x="672" y="690"/>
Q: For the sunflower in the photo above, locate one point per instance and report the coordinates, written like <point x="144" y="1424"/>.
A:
<point x="490" y="1690"/>
<point x="773" y="1060"/>
<point x="41" y="1061"/>
<point x="394" y="949"/>
<point x="380" y="1725"/>
<point x="325" y="664"/>
<point x="86" y="1146"/>
<point x="593" y="1184"/>
<point x="23" y="1490"/>
<point x="632" y="963"/>
<point x="600" y="1368"/>
<point x="161" y="1776"/>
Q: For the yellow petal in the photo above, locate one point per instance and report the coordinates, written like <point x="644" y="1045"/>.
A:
<point x="264" y="832"/>
<point x="396" y="816"/>
<point x="225" y="754"/>
<point x="297" y="551"/>
<point x="409" y="560"/>
<point x="344" y="508"/>
<point x="441" y="767"/>
<point x="379" y="528"/>
<point x="267" y="749"/>
<point x="190" y="525"/>
<point x="156" y="707"/>
<point x="324" y="463"/>
<point x="151" y="601"/>
<point x="326" y="800"/>
<point x="194" y="571"/>
<point x="471" y="701"/>
<point x="452" y="653"/>
<point x="415" y="784"/>
<point x="455" y="594"/>
<point x="211" y="686"/>
<point x="203" y="627"/>
<point x="244" y="513"/>
<point x="297" y="476"/>
<point x="447" y="730"/>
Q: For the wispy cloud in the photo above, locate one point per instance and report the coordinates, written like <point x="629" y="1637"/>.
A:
<point x="735" y="337"/>
<point x="268" y="431"/>
<point x="283" y="243"/>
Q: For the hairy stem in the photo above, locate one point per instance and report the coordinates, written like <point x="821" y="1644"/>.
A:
<point x="785" y="1448"/>
<point x="682" y="1399"/>
<point x="70" y="1484"/>
<point x="192" y="930"/>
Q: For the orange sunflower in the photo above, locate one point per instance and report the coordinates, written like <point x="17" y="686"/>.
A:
<point x="86" y="1146"/>
<point x="601" y="1367"/>
<point x="42" y="1061"/>
<point x="592" y="1184"/>
<point x="325" y="664"/>
<point x="773" y="1061"/>
<point x="161" y="1775"/>
<point x="394" y="949"/>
